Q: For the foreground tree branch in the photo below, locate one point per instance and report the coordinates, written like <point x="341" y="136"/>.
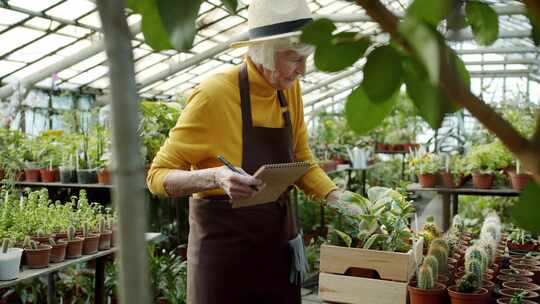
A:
<point x="460" y="94"/>
<point x="534" y="7"/>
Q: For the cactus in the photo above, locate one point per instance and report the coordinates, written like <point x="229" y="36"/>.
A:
<point x="432" y="262"/>
<point x="425" y="277"/>
<point x="490" y="248"/>
<point x="469" y="283"/>
<point x="33" y="245"/>
<point x="40" y="233"/>
<point x="27" y="242"/>
<point x="474" y="266"/>
<point x="5" y="245"/>
<point x="71" y="233"/>
<point x="491" y="229"/>
<point x="109" y="224"/>
<point x="102" y="225"/>
<point x="52" y="242"/>
<point x="457" y="223"/>
<point x="442" y="257"/>
<point x="85" y="230"/>
<point x="440" y="242"/>
<point x="477" y="253"/>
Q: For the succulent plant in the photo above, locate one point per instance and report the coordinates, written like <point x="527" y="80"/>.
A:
<point x="477" y="253"/>
<point x="34" y="245"/>
<point x="102" y="225"/>
<point x="469" y="283"/>
<point x="425" y="277"/>
<point x="490" y="247"/>
<point x="440" y="242"/>
<point x="27" y="243"/>
<point x="491" y="229"/>
<point x="442" y="257"/>
<point x="85" y="230"/>
<point x="5" y="245"/>
<point x="52" y="242"/>
<point x="457" y="223"/>
<point x="432" y="262"/>
<point x="71" y="233"/>
<point x="474" y="266"/>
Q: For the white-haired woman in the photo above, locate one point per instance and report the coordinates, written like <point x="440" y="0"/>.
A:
<point x="251" y="114"/>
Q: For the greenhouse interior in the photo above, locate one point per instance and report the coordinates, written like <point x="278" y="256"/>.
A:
<point x="270" y="151"/>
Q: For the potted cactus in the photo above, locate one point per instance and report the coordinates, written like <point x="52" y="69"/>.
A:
<point x="41" y="236"/>
<point x="427" y="290"/>
<point x="433" y="263"/>
<point x="58" y="251"/>
<point x="10" y="261"/>
<point x="90" y="240"/>
<point x="517" y="298"/>
<point x="104" y="234"/>
<point x="37" y="255"/>
<point x="468" y="291"/>
<point x="74" y="244"/>
<point x="441" y="254"/>
<point x="521" y="240"/>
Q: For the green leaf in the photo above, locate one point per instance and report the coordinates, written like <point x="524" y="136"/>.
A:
<point x="425" y="42"/>
<point x="535" y="28"/>
<point x="178" y="19"/>
<point x="140" y="6"/>
<point x="382" y="74"/>
<point x="231" y="5"/>
<point x="484" y="22"/>
<point x="526" y="213"/>
<point x="362" y="114"/>
<point x="153" y="30"/>
<point x="374" y="240"/>
<point x="461" y="69"/>
<point x="428" y="99"/>
<point x="344" y="237"/>
<point x="342" y="51"/>
<point x="319" y="32"/>
<point x="431" y="11"/>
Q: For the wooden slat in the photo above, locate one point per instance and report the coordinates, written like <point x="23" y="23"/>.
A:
<point x="344" y="289"/>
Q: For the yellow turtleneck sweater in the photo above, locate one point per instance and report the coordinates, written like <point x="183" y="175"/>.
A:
<point x="211" y="125"/>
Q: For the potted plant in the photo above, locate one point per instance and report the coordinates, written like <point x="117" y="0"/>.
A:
<point x="50" y="155"/>
<point x="74" y="244"/>
<point x="86" y="170"/>
<point x="10" y="261"/>
<point x="452" y="175"/>
<point x="429" y="232"/>
<point x="58" y="250"/>
<point x="67" y="169"/>
<point x="101" y="154"/>
<point x="484" y="161"/>
<point x="517" y="298"/>
<point x="427" y="290"/>
<point x="522" y="240"/>
<point x="426" y="166"/>
<point x="37" y="255"/>
<point x="524" y="294"/>
<point x="468" y="291"/>
<point x="31" y="150"/>
<point x="90" y="240"/>
<point x="520" y="179"/>
<point x="104" y="234"/>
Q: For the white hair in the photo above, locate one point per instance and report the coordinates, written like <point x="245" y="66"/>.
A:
<point x="263" y="53"/>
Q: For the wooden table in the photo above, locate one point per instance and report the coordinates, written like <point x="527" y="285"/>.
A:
<point x="450" y="197"/>
<point x="52" y="270"/>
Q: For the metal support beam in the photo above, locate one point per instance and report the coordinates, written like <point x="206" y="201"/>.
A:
<point x="503" y="50"/>
<point x="330" y="94"/>
<point x="500" y="73"/>
<point x="502" y="62"/>
<point x="331" y="80"/>
<point x="83" y="54"/>
<point x="468" y="35"/>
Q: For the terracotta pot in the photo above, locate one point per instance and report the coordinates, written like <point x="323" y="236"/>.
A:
<point x="60" y="235"/>
<point x="328" y="166"/>
<point x="38" y="258"/>
<point x="508" y="278"/>
<point x="90" y="244"/>
<point x="19" y="176"/>
<point x="490" y="287"/>
<point x="49" y="176"/>
<point x="521" y="285"/>
<point x="533" y="269"/>
<point x="506" y="292"/>
<point x="448" y="180"/>
<point x="478" y="297"/>
<point x="520" y="181"/>
<point x="32" y="175"/>
<point x="41" y="239"/>
<point x="517" y="272"/>
<point x="105" y="240"/>
<point x="381" y="147"/>
<point x="523" y="261"/>
<point x="74" y="248"/>
<point x="104" y="176"/>
<point x="507" y="301"/>
<point x="427" y="296"/>
<point x="530" y="246"/>
<point x="427" y="180"/>
<point x="58" y="252"/>
<point x="443" y="279"/>
<point x="398" y="147"/>
<point x="482" y="181"/>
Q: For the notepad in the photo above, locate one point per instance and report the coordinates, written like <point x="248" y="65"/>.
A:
<point x="277" y="178"/>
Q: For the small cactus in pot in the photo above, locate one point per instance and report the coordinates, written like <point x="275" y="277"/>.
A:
<point x="442" y="257"/>
<point x="427" y="290"/>
<point x="74" y="244"/>
<point x="105" y="234"/>
<point x="90" y="240"/>
<point x="37" y="256"/>
<point x="58" y="251"/>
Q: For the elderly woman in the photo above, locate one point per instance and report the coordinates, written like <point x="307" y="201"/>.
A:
<point x="251" y="114"/>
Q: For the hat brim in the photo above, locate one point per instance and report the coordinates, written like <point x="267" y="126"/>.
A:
<point x="245" y="43"/>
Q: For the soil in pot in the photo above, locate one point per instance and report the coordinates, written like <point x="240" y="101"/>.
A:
<point x="509" y="278"/>
<point x="435" y="295"/>
<point x="90" y="244"/>
<point x="41" y="239"/>
<point x="32" y="175"/>
<point x="478" y="297"/>
<point x="38" y="258"/>
<point x="427" y="180"/>
<point x="10" y="263"/>
<point x="506" y="292"/>
<point x="482" y="181"/>
<point x="67" y="175"/>
<point x="529" y="246"/>
<point x="521" y="285"/>
<point x="49" y="176"/>
<point x="74" y="248"/>
<point x="105" y="240"/>
<point x="534" y="269"/>
<point x="58" y="252"/>
<point x="104" y="176"/>
<point x="520" y="181"/>
<point x="87" y="176"/>
<point x="60" y="235"/>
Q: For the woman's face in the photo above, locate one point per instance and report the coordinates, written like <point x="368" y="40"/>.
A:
<point x="289" y="65"/>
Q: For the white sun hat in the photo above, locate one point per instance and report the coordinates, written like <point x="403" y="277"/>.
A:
<point x="275" y="19"/>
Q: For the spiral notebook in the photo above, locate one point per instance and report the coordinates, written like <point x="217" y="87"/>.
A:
<point x="278" y="177"/>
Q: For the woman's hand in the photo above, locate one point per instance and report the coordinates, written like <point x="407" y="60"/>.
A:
<point x="237" y="186"/>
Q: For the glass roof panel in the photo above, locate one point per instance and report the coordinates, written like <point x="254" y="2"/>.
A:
<point x="90" y="75"/>
<point x="33" y="68"/>
<point x="7" y="67"/>
<point x="41" y="47"/>
<point x="72" y="9"/>
<point x="16" y="37"/>
<point x="74" y="48"/>
<point x="36" y="6"/>
<point x="74" y="31"/>
<point x="41" y="23"/>
<point x="9" y="17"/>
<point x="90" y="62"/>
<point x="92" y="20"/>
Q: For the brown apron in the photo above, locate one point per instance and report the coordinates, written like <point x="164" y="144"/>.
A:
<point x="241" y="256"/>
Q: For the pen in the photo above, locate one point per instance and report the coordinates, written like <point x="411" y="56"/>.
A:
<point x="232" y="168"/>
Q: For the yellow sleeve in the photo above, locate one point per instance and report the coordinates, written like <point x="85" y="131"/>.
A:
<point x="315" y="182"/>
<point x="185" y="146"/>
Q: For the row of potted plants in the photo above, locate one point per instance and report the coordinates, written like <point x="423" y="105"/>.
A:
<point x="38" y="231"/>
<point x="482" y="162"/>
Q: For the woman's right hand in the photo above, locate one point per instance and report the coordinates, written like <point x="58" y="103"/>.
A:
<point x="235" y="185"/>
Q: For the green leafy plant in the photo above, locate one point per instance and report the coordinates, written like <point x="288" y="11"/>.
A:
<point x="520" y="236"/>
<point x="424" y="163"/>
<point x="157" y="118"/>
<point x="517" y="298"/>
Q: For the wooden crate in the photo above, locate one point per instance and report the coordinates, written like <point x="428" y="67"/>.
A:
<point x="395" y="270"/>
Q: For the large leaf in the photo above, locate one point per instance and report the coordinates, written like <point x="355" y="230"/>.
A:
<point x="152" y="28"/>
<point x="342" y="51"/>
<point x="231" y="5"/>
<point x="140" y="6"/>
<point x="428" y="99"/>
<point x="484" y="22"/>
<point x="431" y="11"/>
<point x="461" y="69"/>
<point x="374" y="240"/>
<point x="382" y="74"/>
<point x="425" y="42"/>
<point x="178" y="19"/>
<point x="318" y="32"/>
<point x="526" y="213"/>
<point x="535" y="24"/>
<point x="362" y="114"/>
<point x="344" y="237"/>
